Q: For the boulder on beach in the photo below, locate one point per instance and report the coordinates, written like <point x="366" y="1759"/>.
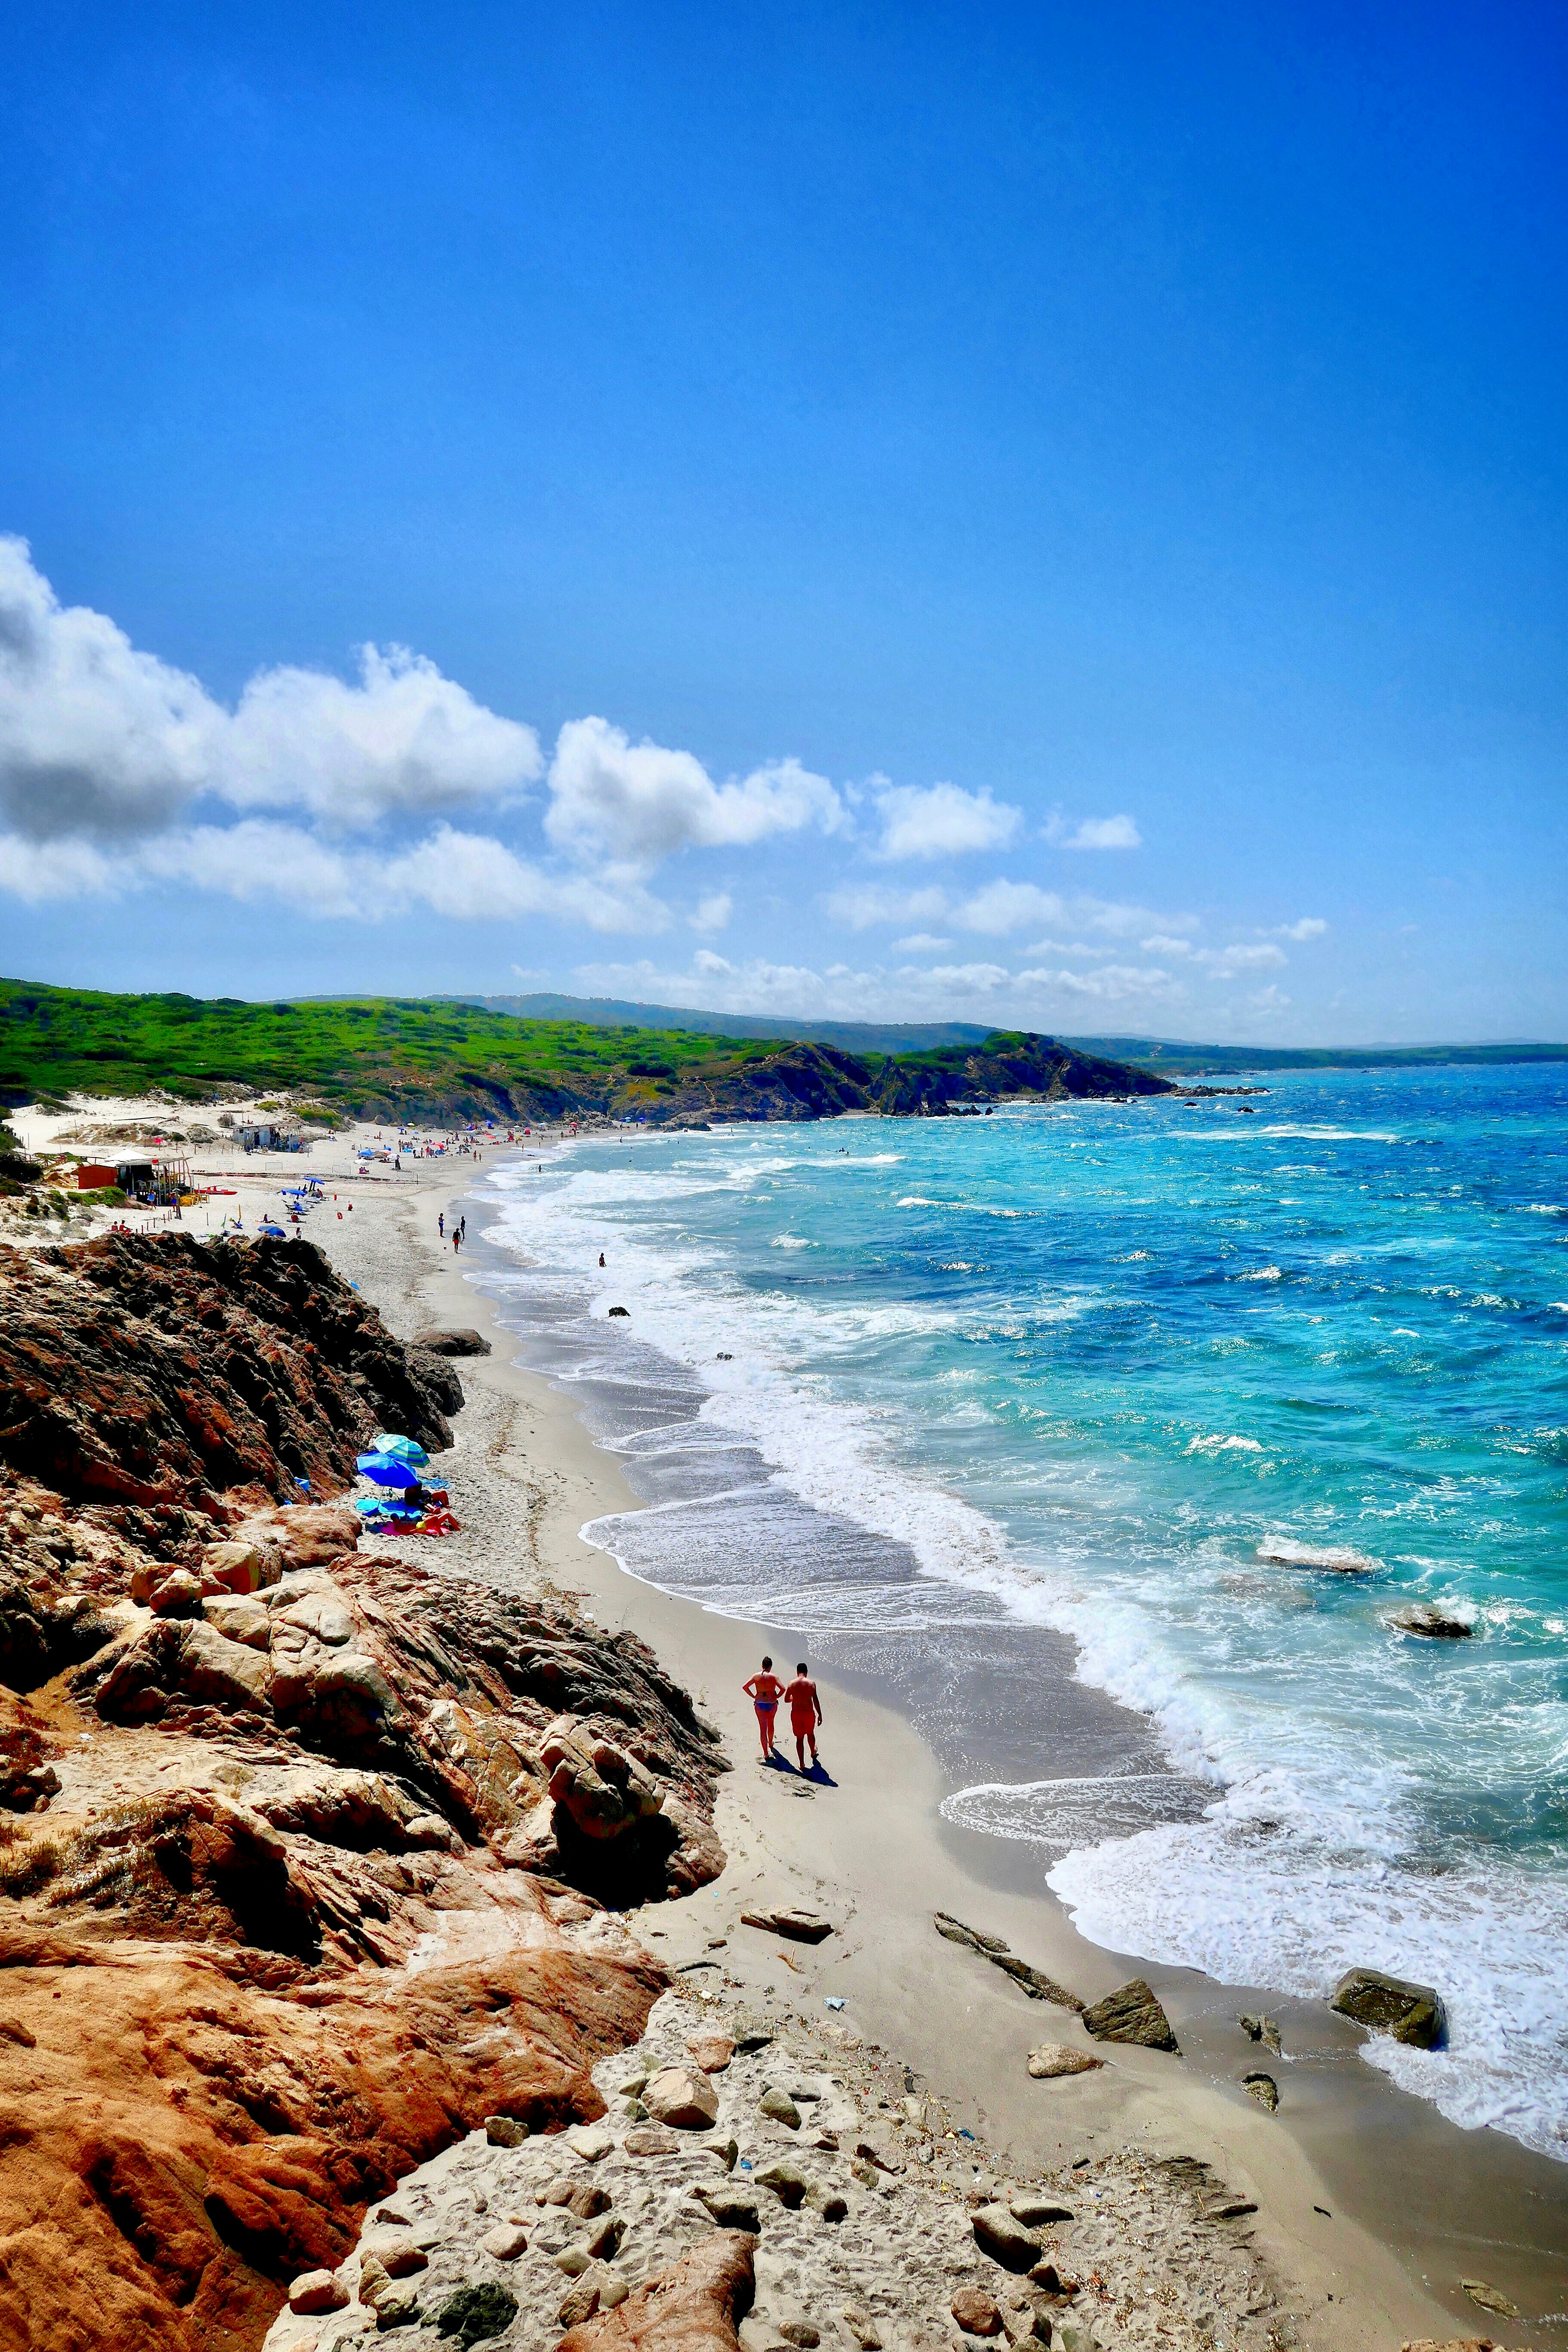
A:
<point x="802" y="1927"/>
<point x="1006" y="2241"/>
<point x="1054" y="2059"/>
<point x="1263" y="2088"/>
<point x="1131" y="2013"/>
<point x="453" y="1339"/>
<point x="1412" y="2013"/>
<point x="682" y="2098"/>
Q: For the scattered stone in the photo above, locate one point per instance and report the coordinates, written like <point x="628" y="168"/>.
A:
<point x="505" y="2241"/>
<point x="505" y="2131"/>
<point x="1053" y="2059"/>
<point x="179" y="1595"/>
<point x="651" y="2139"/>
<point x="864" y="2329"/>
<point x="315" y="2292"/>
<point x="865" y="2174"/>
<point x="1006" y="2241"/>
<point x="731" y="2209"/>
<point x="621" y="1310"/>
<point x="1261" y="2029"/>
<point x="957" y="1932"/>
<point x="580" y="2302"/>
<point x="804" y="1926"/>
<point x="587" y="2201"/>
<point x="711" y="2053"/>
<point x="1049" y="2280"/>
<point x="1229" y="2208"/>
<point x="1264" y="2089"/>
<point x="779" y="2107"/>
<point x="401" y="2258"/>
<point x="802" y="2333"/>
<point x="787" y="2181"/>
<point x="753" y="2033"/>
<point x="977" y="2313"/>
<point x="591" y="2142"/>
<point x="1035" y="1981"/>
<point x="1132" y="2013"/>
<point x="682" y="2098"/>
<point x="398" y="2307"/>
<point x="1431" y="1623"/>
<point x="1490" y="2298"/>
<point x="883" y="2153"/>
<point x="1035" y="2211"/>
<point x="1412" y="2013"/>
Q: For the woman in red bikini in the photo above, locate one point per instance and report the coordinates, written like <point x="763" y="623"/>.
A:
<point x="764" y="1691"/>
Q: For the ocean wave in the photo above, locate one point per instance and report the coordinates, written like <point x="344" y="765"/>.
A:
<point x="791" y="1241"/>
<point x="1262" y="1273"/>
<point x="1284" y="1551"/>
<point x="1219" y="1444"/>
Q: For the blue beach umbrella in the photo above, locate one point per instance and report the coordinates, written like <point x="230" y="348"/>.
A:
<point x="402" y="1449"/>
<point x="384" y="1471"/>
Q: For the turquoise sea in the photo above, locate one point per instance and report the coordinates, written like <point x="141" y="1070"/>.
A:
<point x="1214" y="1394"/>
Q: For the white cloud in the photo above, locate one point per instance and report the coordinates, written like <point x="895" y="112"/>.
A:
<point x="713" y="912"/>
<point x="1002" y="906"/>
<point x="1224" y="963"/>
<point x="862" y="907"/>
<point x="941" y="821"/>
<point x="922" y="943"/>
<point x="404" y="740"/>
<point x="1093" y="832"/>
<point x="1115" y="983"/>
<point x="641" y="801"/>
<point x="96" y="739"/>
<point x="38" y="870"/>
<point x="98" y="742"/>
<point x="1311" y="926"/>
<point x="1163" y="943"/>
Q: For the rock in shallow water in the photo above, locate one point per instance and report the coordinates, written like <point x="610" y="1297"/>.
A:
<point x="1264" y="2089"/>
<point x="1412" y="2013"/>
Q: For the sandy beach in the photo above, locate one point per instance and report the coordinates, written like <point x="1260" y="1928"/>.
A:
<point x="1372" y="2209"/>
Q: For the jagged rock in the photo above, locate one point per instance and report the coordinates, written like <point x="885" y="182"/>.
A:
<point x="1035" y="1981"/>
<point x="242" y="1565"/>
<point x="651" y="2139"/>
<point x="1412" y="2013"/>
<point x="752" y="2032"/>
<point x="801" y="1927"/>
<point x="178" y="1594"/>
<point x="601" y="1789"/>
<point x="505" y="2131"/>
<point x="1264" y="2089"/>
<point x="691" y="2308"/>
<point x="1053" y="2059"/>
<point x="158" y="1371"/>
<point x="620" y="1312"/>
<point x="1490" y="2298"/>
<point x="977" y="2313"/>
<point x="453" y="1339"/>
<point x="779" y="2107"/>
<point x="1006" y="2241"/>
<point x="682" y="2098"/>
<point x="1433" y="1624"/>
<point x="1131" y="2013"/>
<point x="240" y="1618"/>
<point x="1261" y="2029"/>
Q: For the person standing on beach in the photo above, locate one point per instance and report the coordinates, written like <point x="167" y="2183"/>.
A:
<point x="804" y="1713"/>
<point x="764" y="1691"/>
<point x="441" y="1224"/>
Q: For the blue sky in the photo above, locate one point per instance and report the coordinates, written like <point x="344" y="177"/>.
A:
<point x="1049" y="515"/>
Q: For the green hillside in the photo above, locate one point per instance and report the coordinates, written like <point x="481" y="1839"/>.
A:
<point x="397" y="1057"/>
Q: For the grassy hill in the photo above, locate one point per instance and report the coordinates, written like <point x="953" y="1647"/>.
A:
<point x="391" y="1057"/>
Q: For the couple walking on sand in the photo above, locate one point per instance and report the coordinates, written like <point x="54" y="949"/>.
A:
<point x="765" y="1690"/>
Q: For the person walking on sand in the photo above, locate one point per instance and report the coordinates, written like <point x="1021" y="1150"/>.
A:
<point x="764" y="1691"/>
<point x="804" y="1714"/>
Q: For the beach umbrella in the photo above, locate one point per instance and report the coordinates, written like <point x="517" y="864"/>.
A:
<point x="402" y="1449"/>
<point x="384" y="1471"/>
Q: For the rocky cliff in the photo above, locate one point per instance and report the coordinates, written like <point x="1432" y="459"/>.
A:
<point x="310" y="1862"/>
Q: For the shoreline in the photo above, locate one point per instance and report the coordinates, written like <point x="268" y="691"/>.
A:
<point x="1408" y="2194"/>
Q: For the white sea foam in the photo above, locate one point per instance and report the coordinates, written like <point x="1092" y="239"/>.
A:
<point x="1284" y="1551"/>
<point x="1263" y="1273"/>
<point x="1303" y="1863"/>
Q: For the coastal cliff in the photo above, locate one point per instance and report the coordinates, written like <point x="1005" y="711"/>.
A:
<point x="311" y="1861"/>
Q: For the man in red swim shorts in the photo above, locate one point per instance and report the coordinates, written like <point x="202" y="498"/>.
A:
<point x="804" y="1713"/>
<point x="764" y="1691"/>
